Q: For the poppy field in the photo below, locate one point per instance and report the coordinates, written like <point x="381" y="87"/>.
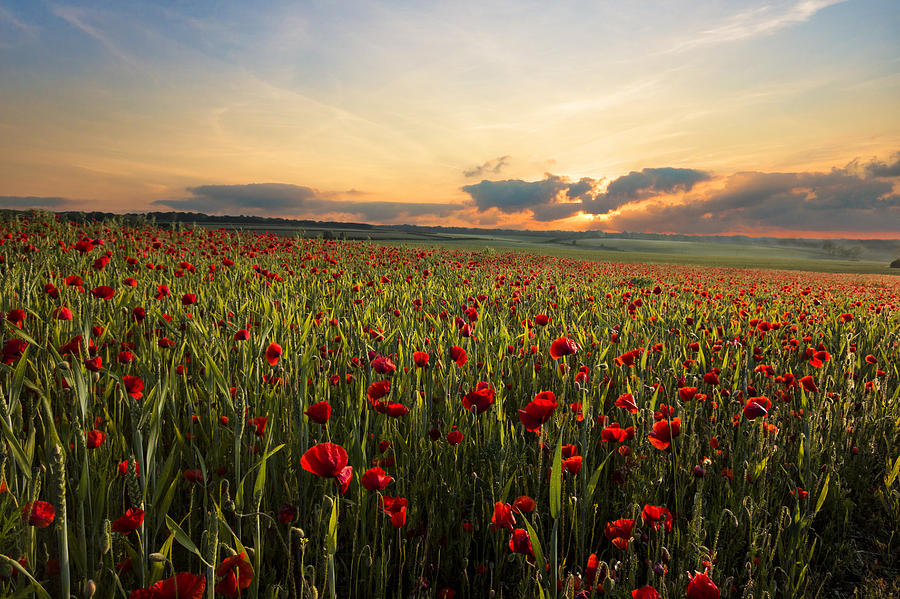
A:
<point x="206" y="413"/>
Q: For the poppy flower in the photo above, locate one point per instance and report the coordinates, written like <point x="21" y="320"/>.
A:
<point x="653" y="515"/>
<point x="63" y="313"/>
<point x="273" y="353"/>
<point x="619" y="532"/>
<point x="94" y="364"/>
<point x="538" y="411"/>
<point x="129" y="522"/>
<point x="328" y="460"/>
<point x="701" y="586"/>
<point x="808" y="384"/>
<point x="95" y="438"/>
<point x="183" y="585"/>
<point x="711" y="378"/>
<point x="563" y="347"/>
<point x="375" y="479"/>
<point x="396" y="507"/>
<point x="663" y="432"/>
<point x="757" y="407"/>
<point x="236" y="574"/>
<point x="134" y="386"/>
<point x="520" y="542"/>
<point x="524" y="504"/>
<point x="421" y="359"/>
<point x="687" y="393"/>
<point x="103" y="292"/>
<point x="188" y="298"/>
<point x="12" y="350"/>
<point x="124" y="465"/>
<point x="39" y="514"/>
<point x="614" y="433"/>
<point x="628" y="358"/>
<point x="590" y="571"/>
<point x="194" y="475"/>
<point x="645" y="592"/>
<point x="458" y="355"/>
<point x="454" y="437"/>
<point x="542" y="320"/>
<point x="572" y="465"/>
<point x="260" y="423"/>
<point x="377" y="390"/>
<point x="242" y="335"/>
<point x="503" y="516"/>
<point x="626" y="401"/>
<point x="16" y="317"/>
<point x="870" y="359"/>
<point x="481" y="398"/>
<point x="383" y="365"/>
<point x="287" y="513"/>
<point x="319" y="412"/>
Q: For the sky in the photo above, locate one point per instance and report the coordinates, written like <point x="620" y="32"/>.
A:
<point x="758" y="118"/>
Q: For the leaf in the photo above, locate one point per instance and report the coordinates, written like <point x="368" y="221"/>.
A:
<point x="535" y="545"/>
<point x="822" y="494"/>
<point x="16" y="448"/>
<point x="331" y="539"/>
<point x="184" y="540"/>
<point x="894" y="472"/>
<point x="41" y="592"/>
<point x="556" y="479"/>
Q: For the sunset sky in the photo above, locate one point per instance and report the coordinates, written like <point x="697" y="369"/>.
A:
<point x="774" y="118"/>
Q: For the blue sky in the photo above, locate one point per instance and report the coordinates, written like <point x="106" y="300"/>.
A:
<point x="482" y="113"/>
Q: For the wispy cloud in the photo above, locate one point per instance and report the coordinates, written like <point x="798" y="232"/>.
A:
<point x="493" y="166"/>
<point x="7" y="16"/>
<point x="755" y="22"/>
<point x="80" y="19"/>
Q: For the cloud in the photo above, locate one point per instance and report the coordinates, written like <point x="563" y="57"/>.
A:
<point x="555" y="197"/>
<point x="28" y="202"/>
<point x="266" y="199"/>
<point x="286" y="200"/>
<point x="491" y="166"/>
<point x="881" y="169"/>
<point x="839" y="200"/>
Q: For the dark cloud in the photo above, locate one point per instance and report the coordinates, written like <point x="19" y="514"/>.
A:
<point x="881" y="169"/>
<point x="491" y="166"/>
<point x="28" y="202"/>
<point x="266" y="199"/>
<point x="281" y="199"/>
<point x="839" y="200"/>
<point x="554" y="197"/>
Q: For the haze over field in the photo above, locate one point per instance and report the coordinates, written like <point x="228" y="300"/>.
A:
<point x="775" y="118"/>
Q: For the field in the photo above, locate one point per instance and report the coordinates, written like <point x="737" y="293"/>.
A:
<point x="211" y="413"/>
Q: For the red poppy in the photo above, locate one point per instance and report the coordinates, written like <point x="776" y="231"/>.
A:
<point x="260" y="423"/>
<point x="39" y="514"/>
<point x="454" y="437"/>
<point x="572" y="465"/>
<point x="188" y="298"/>
<point x="63" y="313"/>
<point x="124" y="465"/>
<point x="481" y="398"/>
<point x="653" y="516"/>
<point x="328" y="460"/>
<point x="193" y="475"/>
<point x="458" y="355"/>
<point x="524" y="504"/>
<point x="614" y="433"/>
<point x="626" y="401"/>
<point x="134" y="386"/>
<point x="129" y="522"/>
<point x="242" y="335"/>
<point x="520" y="542"/>
<point x="383" y="365"/>
<point x="421" y="359"/>
<point x="396" y="507"/>
<point x="757" y="407"/>
<point x="103" y="292"/>
<point x="377" y="390"/>
<point x="590" y="571"/>
<point x="619" y="532"/>
<point x="563" y="347"/>
<point x="701" y="586"/>
<point x="628" y="358"/>
<point x="162" y="291"/>
<point x="663" y="432"/>
<point x="94" y="364"/>
<point x="542" y="320"/>
<point x="711" y="378"/>
<point x="273" y="353"/>
<point x="183" y="585"/>
<point x="808" y="384"/>
<point x="503" y="516"/>
<point x="870" y="359"/>
<point x="13" y="350"/>
<point x="287" y="513"/>
<point x="687" y="393"/>
<point x="319" y="412"/>
<point x="375" y="479"/>
<point x="538" y="411"/>
<point x="645" y="592"/>
<point x="95" y="438"/>
<point x="236" y="574"/>
<point x="16" y="317"/>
